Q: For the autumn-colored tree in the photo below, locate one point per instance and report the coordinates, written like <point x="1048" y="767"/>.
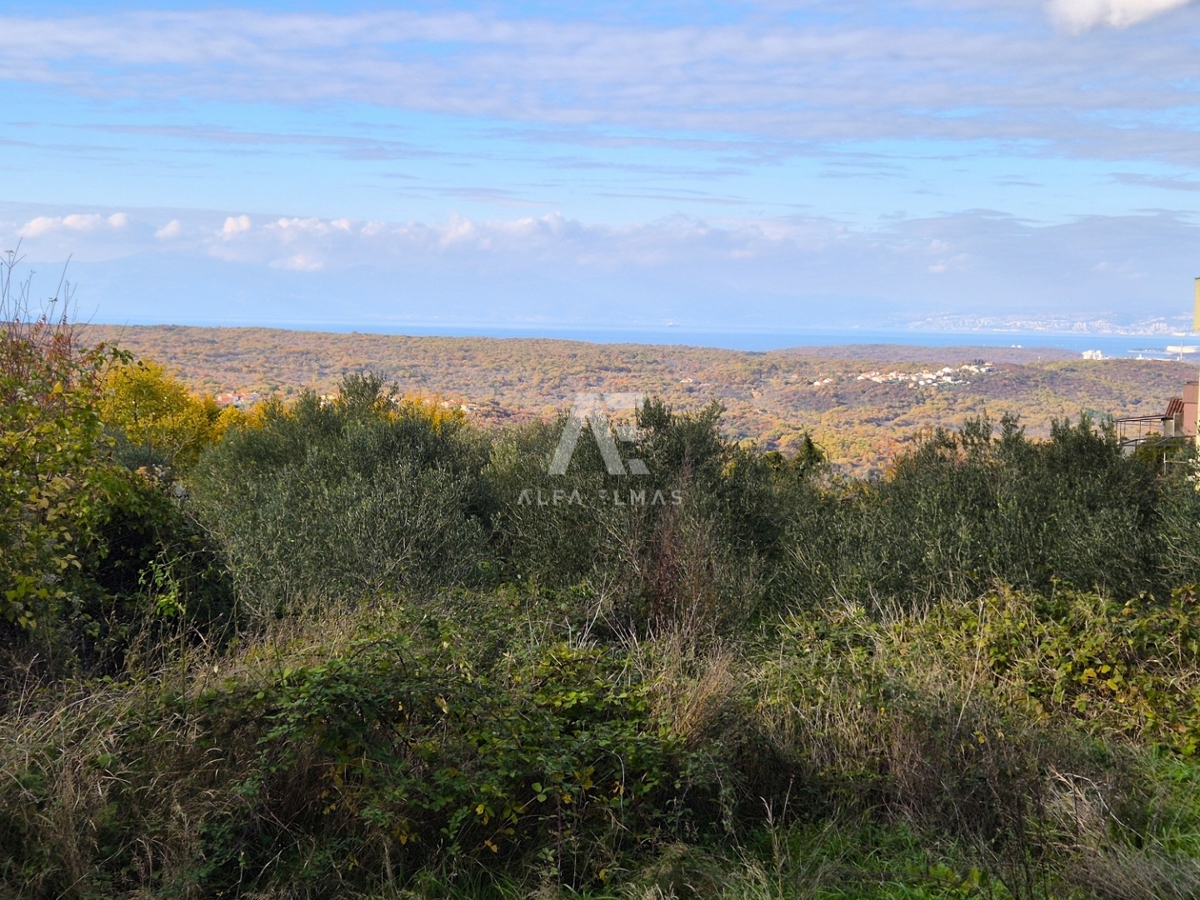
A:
<point x="155" y="413"/>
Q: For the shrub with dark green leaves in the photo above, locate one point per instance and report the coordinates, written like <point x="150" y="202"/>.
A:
<point x="390" y="746"/>
<point x="1129" y="669"/>
<point x="356" y="497"/>
<point x="693" y="544"/>
<point x="965" y="511"/>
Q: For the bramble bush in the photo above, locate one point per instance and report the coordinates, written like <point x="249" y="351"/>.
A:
<point x="365" y="747"/>
<point x="49" y="472"/>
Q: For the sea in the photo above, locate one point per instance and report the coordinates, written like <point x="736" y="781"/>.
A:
<point x="1109" y="346"/>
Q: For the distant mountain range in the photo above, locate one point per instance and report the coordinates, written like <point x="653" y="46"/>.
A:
<point x="1058" y="325"/>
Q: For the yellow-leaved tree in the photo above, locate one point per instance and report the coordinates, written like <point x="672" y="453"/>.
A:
<point x="157" y="414"/>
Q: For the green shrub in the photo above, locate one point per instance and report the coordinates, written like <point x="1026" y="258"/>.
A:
<point x="352" y="498"/>
<point x="88" y="549"/>
<point x="692" y="545"/>
<point x="1128" y="669"/>
<point x="965" y="511"/>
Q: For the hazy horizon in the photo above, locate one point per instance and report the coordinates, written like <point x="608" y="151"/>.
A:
<point x="758" y="165"/>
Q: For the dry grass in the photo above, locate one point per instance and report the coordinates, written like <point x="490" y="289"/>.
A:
<point x="76" y="797"/>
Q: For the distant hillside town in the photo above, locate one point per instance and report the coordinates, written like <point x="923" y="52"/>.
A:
<point x="1158" y="326"/>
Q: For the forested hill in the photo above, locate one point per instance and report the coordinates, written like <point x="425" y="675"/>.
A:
<point x="861" y="403"/>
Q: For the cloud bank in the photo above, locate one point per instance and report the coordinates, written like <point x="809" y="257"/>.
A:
<point x="796" y="273"/>
<point x="827" y="72"/>
<point x="77" y="222"/>
<point x="1083" y="15"/>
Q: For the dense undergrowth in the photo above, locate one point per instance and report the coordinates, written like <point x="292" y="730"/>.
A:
<point x="354" y="647"/>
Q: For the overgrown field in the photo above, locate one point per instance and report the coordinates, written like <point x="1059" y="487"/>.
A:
<point x="358" y="647"/>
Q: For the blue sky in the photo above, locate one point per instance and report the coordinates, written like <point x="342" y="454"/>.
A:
<point x="721" y="165"/>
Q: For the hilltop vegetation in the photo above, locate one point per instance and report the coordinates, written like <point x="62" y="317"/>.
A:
<point x="363" y="646"/>
<point x="769" y="398"/>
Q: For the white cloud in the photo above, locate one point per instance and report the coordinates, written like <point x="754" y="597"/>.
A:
<point x="235" y="225"/>
<point x="39" y="226"/>
<point x="1082" y="15"/>
<point x="459" y="231"/>
<point x="78" y="222"/>
<point x="292" y="228"/>
<point x="171" y="230"/>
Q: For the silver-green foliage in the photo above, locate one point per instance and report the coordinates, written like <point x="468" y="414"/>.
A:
<point x="337" y="500"/>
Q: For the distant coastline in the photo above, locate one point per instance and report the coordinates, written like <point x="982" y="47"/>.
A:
<point x="1125" y="346"/>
